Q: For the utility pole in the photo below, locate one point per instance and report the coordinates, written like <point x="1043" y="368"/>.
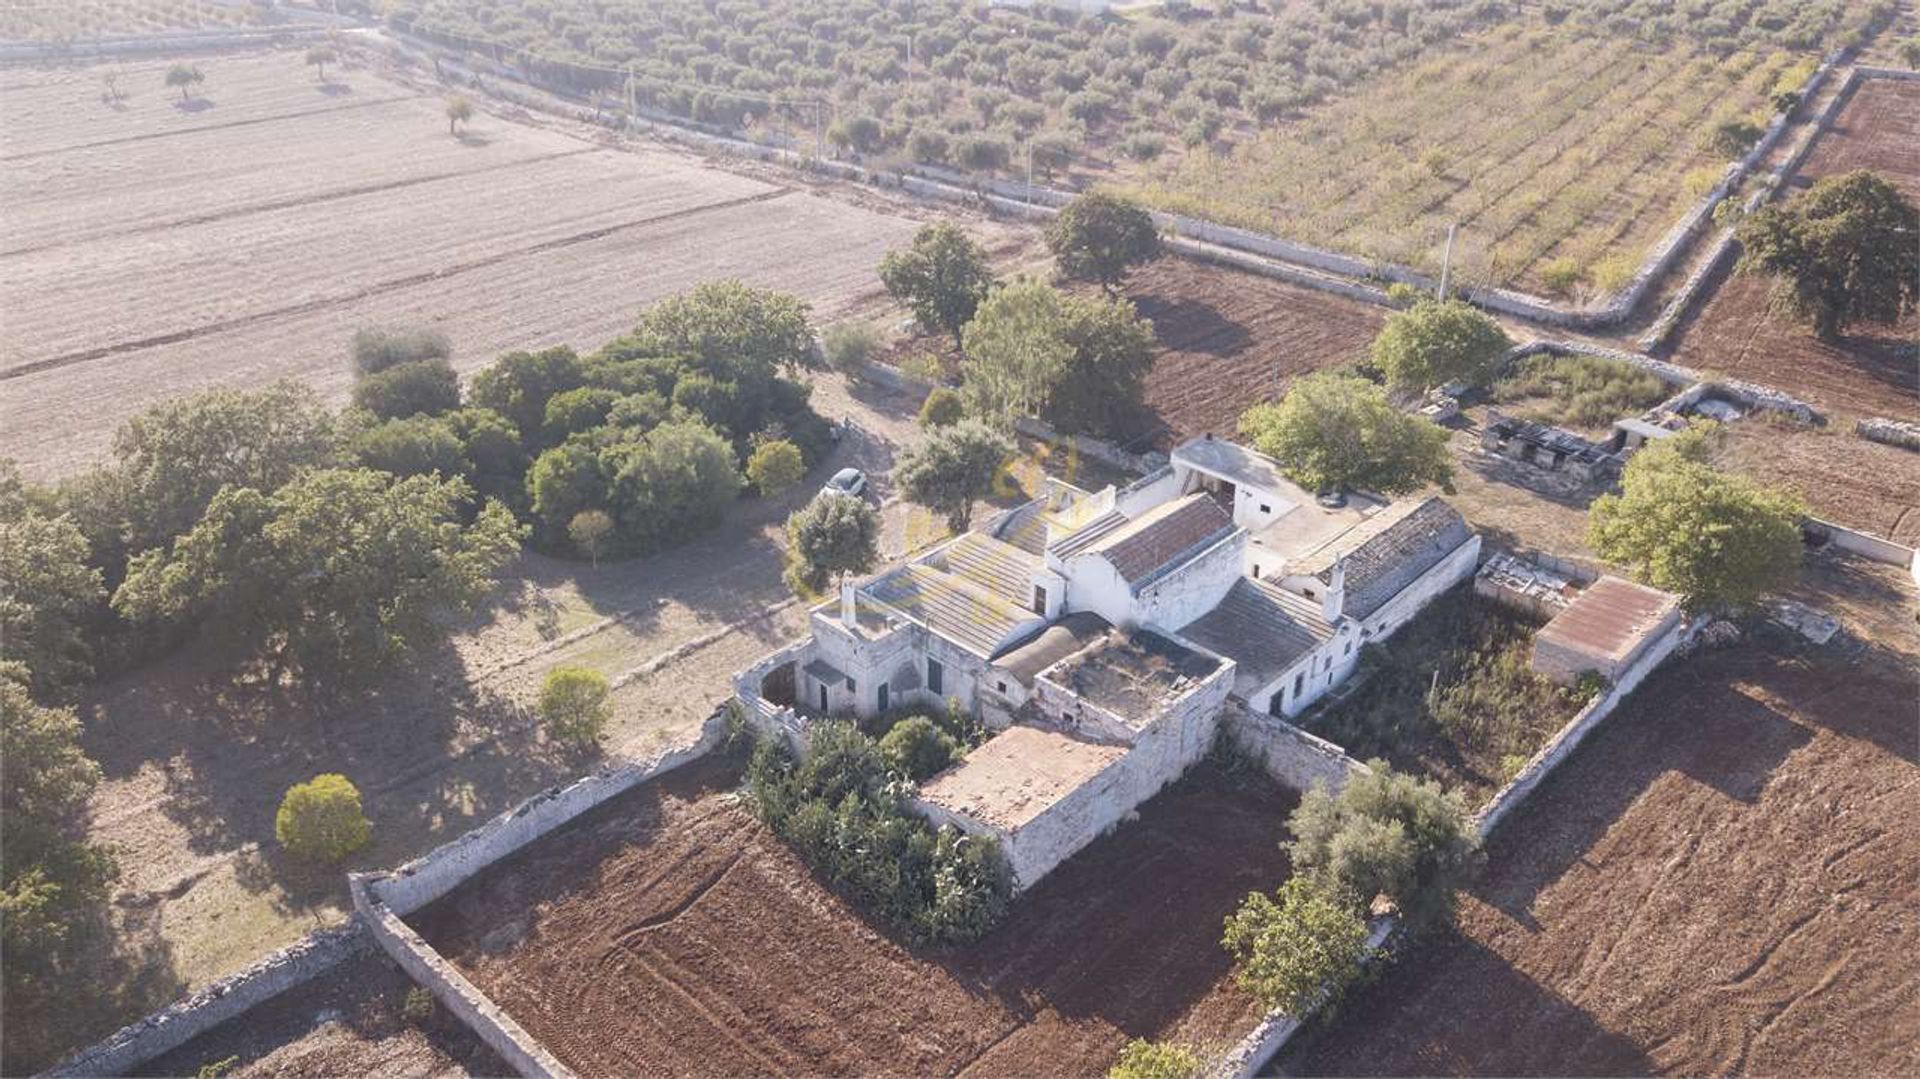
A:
<point x="1029" y="170"/>
<point x="1446" y="261"/>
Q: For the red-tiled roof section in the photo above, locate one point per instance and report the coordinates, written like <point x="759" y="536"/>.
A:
<point x="1152" y="541"/>
<point x="1610" y="618"/>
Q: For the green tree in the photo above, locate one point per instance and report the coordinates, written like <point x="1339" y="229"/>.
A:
<point x="1142" y="1059"/>
<point x="1015" y="351"/>
<point x="53" y="883"/>
<point x="917" y="749"/>
<point x="1110" y="352"/>
<point x="496" y="458"/>
<point x="1389" y="834"/>
<point x="376" y="348"/>
<point x="1335" y="432"/>
<point x="335" y="574"/>
<point x="952" y="468"/>
<point x="589" y="530"/>
<point x="1718" y="540"/>
<point x="828" y="538"/>
<point x="673" y="482"/>
<point x="185" y="77"/>
<point x="1732" y="139"/>
<point x="1841" y="253"/>
<point x="576" y="412"/>
<point x="575" y="705"/>
<point x="49" y="595"/>
<point x="732" y="330"/>
<point x="1299" y="953"/>
<point x="941" y="277"/>
<point x="1436" y="342"/>
<point x="459" y="111"/>
<point x="775" y="466"/>
<point x="415" y="446"/>
<point x="319" y="57"/>
<point x="420" y="387"/>
<point x="519" y="385"/>
<point x="942" y="408"/>
<point x="1098" y="237"/>
<point x="567" y="480"/>
<point x="321" y="820"/>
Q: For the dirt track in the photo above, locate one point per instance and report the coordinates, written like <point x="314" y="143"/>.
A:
<point x="1720" y="882"/>
<point x="669" y="933"/>
<point x="1231" y="339"/>
<point x="1873" y="370"/>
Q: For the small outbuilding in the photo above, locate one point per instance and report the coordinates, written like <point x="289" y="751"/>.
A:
<point x="1609" y="626"/>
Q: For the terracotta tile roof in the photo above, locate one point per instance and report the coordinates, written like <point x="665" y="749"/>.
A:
<point x="1263" y="629"/>
<point x="1163" y="537"/>
<point x="1610" y="618"/>
<point x="1387" y="551"/>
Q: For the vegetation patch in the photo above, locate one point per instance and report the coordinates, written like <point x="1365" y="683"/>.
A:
<point x="1452" y="696"/>
<point x="1583" y="392"/>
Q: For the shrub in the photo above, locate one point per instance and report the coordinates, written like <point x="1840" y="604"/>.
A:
<point x="1560" y="276"/>
<point x="320" y="820"/>
<point x="917" y="749"/>
<point x="775" y="466"/>
<point x="1402" y="295"/>
<point x="942" y="408"/>
<point x="416" y="387"/>
<point x="1300" y="952"/>
<point x="589" y="530"/>
<point x="416" y="446"/>
<point x="376" y="348"/>
<point x="574" y="705"/>
<point x="1388" y="834"/>
<point x="1436" y="342"/>
<point x="1142" y="1059"/>
<point x="418" y="1005"/>
<point x="1613" y="273"/>
<point x="849" y="345"/>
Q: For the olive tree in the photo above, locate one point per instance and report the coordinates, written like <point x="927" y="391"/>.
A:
<point x="1841" y="253"/>
<point x="1336" y="432"/>
<point x="1388" y="834"/>
<point x="829" y="538"/>
<point x="185" y="77"/>
<point x="941" y="277"/>
<point x="1435" y="342"/>
<point x="321" y="820"/>
<point x="1098" y="237"/>
<point x="1297" y="950"/>
<point x="952" y="468"/>
<point x="575" y="705"/>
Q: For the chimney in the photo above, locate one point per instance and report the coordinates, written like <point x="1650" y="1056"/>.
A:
<point x="1335" y="599"/>
<point x="847" y="615"/>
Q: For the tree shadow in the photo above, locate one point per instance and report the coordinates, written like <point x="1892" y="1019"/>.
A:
<point x="193" y="105"/>
<point x="473" y="139"/>
<point x="334" y="89"/>
<point x="122" y="968"/>
<point x="1202" y="327"/>
<point x="117" y="104"/>
<point x="1455" y="1007"/>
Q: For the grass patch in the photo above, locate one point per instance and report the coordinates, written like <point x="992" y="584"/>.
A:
<point x="1578" y="391"/>
<point x="1473" y="725"/>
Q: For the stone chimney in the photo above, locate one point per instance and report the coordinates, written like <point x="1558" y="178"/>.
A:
<point x="848" y="615"/>
<point x="1335" y="598"/>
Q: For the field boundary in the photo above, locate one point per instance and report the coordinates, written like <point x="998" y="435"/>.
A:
<point x="180" y="1022"/>
<point x="1037" y="201"/>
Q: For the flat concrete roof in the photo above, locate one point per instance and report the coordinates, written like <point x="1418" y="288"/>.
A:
<point x="1017" y="775"/>
<point x="1610" y="618"/>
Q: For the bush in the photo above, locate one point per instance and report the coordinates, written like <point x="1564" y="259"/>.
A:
<point x="917" y="749"/>
<point x="1299" y="953"/>
<point x="418" y="1005"/>
<point x="1436" y="342"/>
<point x="1142" y="1059"/>
<point x="1402" y="295"/>
<point x="574" y="705"/>
<point x="589" y="530"/>
<point x="842" y="812"/>
<point x="849" y="345"/>
<point x="377" y="348"/>
<point x="1560" y="276"/>
<point x="1584" y="391"/>
<point x="775" y="467"/>
<point x="1388" y="834"/>
<point x="416" y="446"/>
<point x="407" y="389"/>
<point x="320" y="820"/>
<point x="942" y="408"/>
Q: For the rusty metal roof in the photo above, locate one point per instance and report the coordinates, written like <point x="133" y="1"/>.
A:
<point x="1610" y="618"/>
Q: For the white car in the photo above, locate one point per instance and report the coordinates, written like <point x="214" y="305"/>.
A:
<point x="848" y="481"/>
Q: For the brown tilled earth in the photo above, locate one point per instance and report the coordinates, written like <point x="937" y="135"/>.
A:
<point x="1230" y="339"/>
<point x="669" y="933"/>
<point x="1721" y="881"/>
<point x="1842" y="478"/>
<point x="1871" y="371"/>
<point x="348" y="1021"/>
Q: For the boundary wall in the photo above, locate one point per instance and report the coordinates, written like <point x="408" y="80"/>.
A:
<point x="168" y="1029"/>
<point x="1297" y="262"/>
<point x="1290" y="755"/>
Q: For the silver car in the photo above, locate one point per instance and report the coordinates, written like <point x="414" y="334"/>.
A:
<point x="847" y="481"/>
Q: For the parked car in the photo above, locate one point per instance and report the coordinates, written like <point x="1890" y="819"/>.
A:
<point x="847" y="481"/>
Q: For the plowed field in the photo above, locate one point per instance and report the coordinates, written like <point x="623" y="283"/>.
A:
<point x="1230" y="339"/>
<point x="1720" y="882"/>
<point x="1872" y="370"/>
<point x="1842" y="478"/>
<point x="668" y="933"/>
<point x="157" y="247"/>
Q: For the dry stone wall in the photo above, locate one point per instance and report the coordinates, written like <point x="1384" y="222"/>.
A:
<point x="1290" y="755"/>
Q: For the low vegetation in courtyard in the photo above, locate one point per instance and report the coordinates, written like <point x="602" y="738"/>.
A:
<point x="1451" y="696"/>
<point x="1586" y="392"/>
<point x="843" y="809"/>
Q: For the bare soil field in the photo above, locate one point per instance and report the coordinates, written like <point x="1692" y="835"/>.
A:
<point x="1843" y="478"/>
<point x="1719" y="882"/>
<point x="1871" y="371"/>
<point x="346" y="1022"/>
<point x="154" y="249"/>
<point x="669" y="933"/>
<point x="1230" y="339"/>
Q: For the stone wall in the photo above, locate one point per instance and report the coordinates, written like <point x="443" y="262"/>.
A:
<point x="1290" y="755"/>
<point x="1865" y="544"/>
<point x="1250" y="1055"/>
<point x="464" y="1000"/>
<point x="133" y="1045"/>
<point x="434" y="874"/>
<point x="1899" y="433"/>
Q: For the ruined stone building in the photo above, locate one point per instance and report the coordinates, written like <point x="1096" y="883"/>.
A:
<point x="1102" y="634"/>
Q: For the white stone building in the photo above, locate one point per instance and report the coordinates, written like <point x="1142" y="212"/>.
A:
<point x="1101" y="634"/>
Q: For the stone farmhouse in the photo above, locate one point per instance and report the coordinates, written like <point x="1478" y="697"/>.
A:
<point x="1103" y="635"/>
